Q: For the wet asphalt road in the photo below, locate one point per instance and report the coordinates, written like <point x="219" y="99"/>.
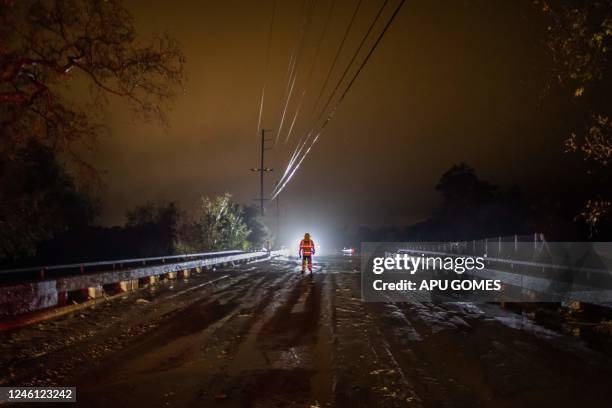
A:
<point x="263" y="335"/>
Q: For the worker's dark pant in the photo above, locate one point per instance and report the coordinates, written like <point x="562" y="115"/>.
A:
<point x="307" y="260"/>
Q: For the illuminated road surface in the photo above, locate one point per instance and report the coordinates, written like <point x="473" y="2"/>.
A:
<point x="262" y="335"/>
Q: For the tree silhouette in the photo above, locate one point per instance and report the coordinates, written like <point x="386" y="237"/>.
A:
<point x="60" y="62"/>
<point x="579" y="38"/>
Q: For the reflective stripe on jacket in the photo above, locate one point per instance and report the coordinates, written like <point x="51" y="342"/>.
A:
<point x="307" y="247"/>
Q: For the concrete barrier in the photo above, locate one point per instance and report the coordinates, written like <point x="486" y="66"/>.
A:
<point x="25" y="297"/>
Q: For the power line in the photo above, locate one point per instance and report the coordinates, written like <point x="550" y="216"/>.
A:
<point x="293" y="72"/>
<point x="301" y="145"/>
<point x="365" y="61"/>
<point x="292" y="58"/>
<point x="263" y="90"/>
<point x="312" y="67"/>
<point x="305" y="139"/>
<point x="338" y="52"/>
<point x="280" y="187"/>
<point x="355" y="54"/>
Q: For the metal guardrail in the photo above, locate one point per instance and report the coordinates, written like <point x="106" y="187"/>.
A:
<point x="113" y="263"/>
<point x="545" y="270"/>
<point x="510" y="261"/>
<point x="32" y="295"/>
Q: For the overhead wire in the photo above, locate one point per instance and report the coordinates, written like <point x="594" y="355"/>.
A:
<point x="263" y="90"/>
<point x="355" y="54"/>
<point x="280" y="186"/>
<point x="338" y="53"/>
<point x="305" y="139"/>
<point x="290" y="68"/>
<point x="294" y="67"/>
<point x="312" y="68"/>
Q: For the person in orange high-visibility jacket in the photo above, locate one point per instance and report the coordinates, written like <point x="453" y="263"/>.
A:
<point x="307" y="250"/>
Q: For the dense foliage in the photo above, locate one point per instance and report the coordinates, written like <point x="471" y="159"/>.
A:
<point x="579" y="39"/>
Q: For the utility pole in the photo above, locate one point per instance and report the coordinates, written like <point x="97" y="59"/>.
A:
<point x="277" y="214"/>
<point x="262" y="169"/>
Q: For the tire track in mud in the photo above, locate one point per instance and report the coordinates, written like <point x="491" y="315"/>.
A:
<point x="269" y="337"/>
<point x="181" y="337"/>
<point x="404" y="340"/>
<point x="447" y="376"/>
<point x="420" y="341"/>
<point x="283" y="360"/>
<point x="468" y="359"/>
<point x="80" y="342"/>
<point x="428" y="340"/>
<point x="181" y="333"/>
<point x="368" y="373"/>
<point x="201" y="359"/>
<point x="70" y="343"/>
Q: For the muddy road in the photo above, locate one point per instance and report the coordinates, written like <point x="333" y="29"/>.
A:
<point x="263" y="335"/>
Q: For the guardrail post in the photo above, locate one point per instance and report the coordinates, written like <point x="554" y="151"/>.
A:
<point x="129" y="285"/>
<point x="62" y="298"/>
<point x="515" y="243"/>
<point x="148" y="280"/>
<point x="94" y="292"/>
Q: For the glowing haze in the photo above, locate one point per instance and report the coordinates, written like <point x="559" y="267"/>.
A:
<point x="450" y="82"/>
